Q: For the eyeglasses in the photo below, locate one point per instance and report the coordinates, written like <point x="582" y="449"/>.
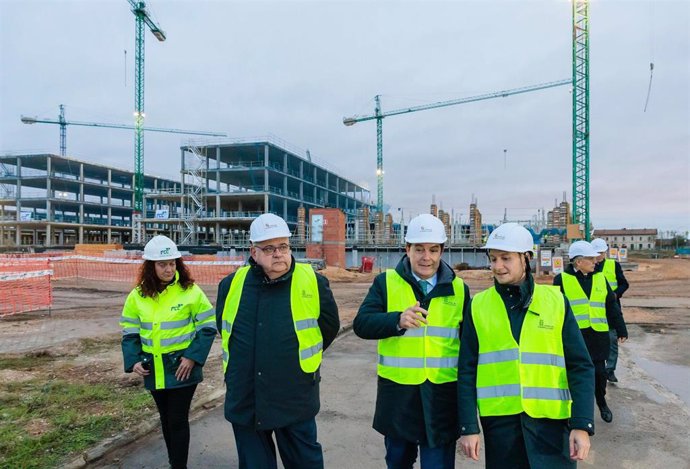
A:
<point x="269" y="250"/>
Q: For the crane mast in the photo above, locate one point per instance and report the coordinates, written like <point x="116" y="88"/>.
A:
<point x="581" y="115"/>
<point x="142" y="17"/>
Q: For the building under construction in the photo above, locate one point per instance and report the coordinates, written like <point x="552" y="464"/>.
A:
<point x="49" y="200"/>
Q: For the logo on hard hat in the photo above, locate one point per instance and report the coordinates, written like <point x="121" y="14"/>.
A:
<point x="165" y="252"/>
<point x="268" y="226"/>
<point x="498" y="236"/>
<point x="423" y="229"/>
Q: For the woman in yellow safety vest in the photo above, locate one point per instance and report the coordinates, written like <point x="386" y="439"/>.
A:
<point x="168" y="327"/>
<point x="596" y="310"/>
<point x="524" y="365"/>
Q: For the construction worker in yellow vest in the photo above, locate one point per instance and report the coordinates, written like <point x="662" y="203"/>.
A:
<point x="415" y="311"/>
<point x="276" y="318"/>
<point x="613" y="272"/>
<point x="168" y="327"/>
<point x="524" y="365"/>
<point x="596" y="309"/>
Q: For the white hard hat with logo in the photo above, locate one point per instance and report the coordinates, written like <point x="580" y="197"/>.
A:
<point x="581" y="248"/>
<point x="425" y="228"/>
<point x="510" y="237"/>
<point x="160" y="248"/>
<point x="268" y="226"/>
<point x="600" y="245"/>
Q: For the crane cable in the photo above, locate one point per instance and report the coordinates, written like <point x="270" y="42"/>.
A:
<point x="651" y="53"/>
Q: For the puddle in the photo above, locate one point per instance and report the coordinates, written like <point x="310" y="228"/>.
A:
<point x="675" y="378"/>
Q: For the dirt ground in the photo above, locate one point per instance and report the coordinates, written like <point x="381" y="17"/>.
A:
<point x="659" y="297"/>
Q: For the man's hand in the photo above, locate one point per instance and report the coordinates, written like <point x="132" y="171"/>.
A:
<point x="470" y="446"/>
<point x="185" y="369"/>
<point x="622" y="339"/>
<point x="579" y="445"/>
<point x="413" y="317"/>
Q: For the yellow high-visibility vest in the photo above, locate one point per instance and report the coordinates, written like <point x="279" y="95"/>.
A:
<point x="167" y="322"/>
<point x="589" y="312"/>
<point x="428" y="352"/>
<point x="529" y="377"/>
<point x="305" y="307"/>
<point x="609" y="272"/>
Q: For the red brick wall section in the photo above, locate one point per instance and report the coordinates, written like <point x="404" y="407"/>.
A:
<point x="332" y="249"/>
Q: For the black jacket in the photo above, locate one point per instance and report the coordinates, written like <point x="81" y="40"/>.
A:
<point x="623" y="284"/>
<point x="598" y="343"/>
<point x="425" y="413"/>
<point x="266" y="387"/>
<point x="579" y="367"/>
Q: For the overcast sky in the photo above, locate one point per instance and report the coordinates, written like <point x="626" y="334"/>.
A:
<point x="295" y="69"/>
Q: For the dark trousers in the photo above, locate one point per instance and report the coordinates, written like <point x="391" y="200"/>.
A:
<point x="522" y="442"/>
<point x="173" y="408"/>
<point x="600" y="377"/>
<point x="401" y="454"/>
<point x="296" y="443"/>
<point x="613" y="351"/>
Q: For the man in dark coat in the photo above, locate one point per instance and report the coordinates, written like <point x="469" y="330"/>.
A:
<point x="582" y="268"/>
<point x="613" y="272"/>
<point x="415" y="312"/>
<point x="276" y="318"/>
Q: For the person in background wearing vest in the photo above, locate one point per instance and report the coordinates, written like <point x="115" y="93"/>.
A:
<point x="168" y="327"/>
<point x="276" y="318"/>
<point x="596" y="311"/>
<point x="524" y="365"/>
<point x="613" y="272"/>
<point x="415" y="312"/>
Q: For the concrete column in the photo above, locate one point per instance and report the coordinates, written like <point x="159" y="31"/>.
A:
<point x="218" y="207"/>
<point x="18" y="231"/>
<point x="216" y="233"/>
<point x="81" y="195"/>
<point x="49" y="235"/>
<point x="110" y="233"/>
<point x="81" y="235"/>
<point x="301" y="181"/>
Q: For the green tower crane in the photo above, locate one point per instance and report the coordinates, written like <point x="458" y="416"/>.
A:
<point x="581" y="115"/>
<point x="379" y="116"/>
<point x="142" y="17"/>
<point x="64" y="123"/>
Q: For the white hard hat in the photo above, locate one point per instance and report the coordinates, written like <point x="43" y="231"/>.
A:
<point x="581" y="248"/>
<point x="426" y="228"/>
<point x="599" y="245"/>
<point x="160" y="248"/>
<point x="268" y="226"/>
<point x="510" y="237"/>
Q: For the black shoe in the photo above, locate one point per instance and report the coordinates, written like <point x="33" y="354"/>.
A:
<point x="606" y="414"/>
<point x="612" y="377"/>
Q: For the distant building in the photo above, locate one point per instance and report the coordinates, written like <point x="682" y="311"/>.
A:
<point x="634" y="239"/>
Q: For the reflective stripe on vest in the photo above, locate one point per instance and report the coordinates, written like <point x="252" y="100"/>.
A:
<point x="429" y="352"/>
<point x="609" y="272"/>
<point x="305" y="307"/>
<point x="530" y="377"/>
<point x="589" y="312"/>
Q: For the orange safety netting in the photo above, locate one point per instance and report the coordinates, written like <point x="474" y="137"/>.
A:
<point x="24" y="286"/>
<point x="115" y="268"/>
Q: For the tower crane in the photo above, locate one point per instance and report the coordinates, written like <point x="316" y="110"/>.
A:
<point x="581" y="115"/>
<point x="142" y="17"/>
<point x="379" y="116"/>
<point x="64" y="123"/>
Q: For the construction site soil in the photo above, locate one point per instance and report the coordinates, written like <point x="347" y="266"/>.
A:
<point x="658" y="300"/>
